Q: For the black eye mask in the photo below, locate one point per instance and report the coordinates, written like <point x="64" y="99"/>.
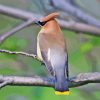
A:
<point x="41" y="23"/>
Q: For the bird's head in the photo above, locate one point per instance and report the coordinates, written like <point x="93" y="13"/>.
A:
<point x="47" y="18"/>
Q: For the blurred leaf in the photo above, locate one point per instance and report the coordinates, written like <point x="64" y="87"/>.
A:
<point x="95" y="41"/>
<point x="14" y="43"/>
<point x="85" y="47"/>
<point x="21" y="43"/>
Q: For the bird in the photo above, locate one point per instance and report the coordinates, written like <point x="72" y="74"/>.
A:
<point x="52" y="51"/>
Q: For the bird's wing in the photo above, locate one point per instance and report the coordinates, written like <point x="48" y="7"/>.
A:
<point x="67" y="71"/>
<point x="47" y="63"/>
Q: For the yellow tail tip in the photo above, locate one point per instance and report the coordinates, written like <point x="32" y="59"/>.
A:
<point x="62" y="93"/>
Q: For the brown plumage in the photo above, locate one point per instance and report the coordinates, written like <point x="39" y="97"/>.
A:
<point x="51" y="49"/>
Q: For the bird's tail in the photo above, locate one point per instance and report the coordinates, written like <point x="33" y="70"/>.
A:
<point x="61" y="83"/>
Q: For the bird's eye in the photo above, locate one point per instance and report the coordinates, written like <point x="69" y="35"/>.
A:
<point x="41" y="23"/>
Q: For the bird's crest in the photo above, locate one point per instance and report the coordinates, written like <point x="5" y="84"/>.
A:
<point x="49" y="17"/>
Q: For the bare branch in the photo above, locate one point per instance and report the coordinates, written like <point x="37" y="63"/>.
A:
<point x="80" y="27"/>
<point x="66" y="6"/>
<point x="81" y="79"/>
<point x="86" y="78"/>
<point x="19" y="27"/>
<point x="17" y="13"/>
<point x="21" y="53"/>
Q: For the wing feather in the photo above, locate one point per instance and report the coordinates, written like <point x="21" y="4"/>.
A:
<point x="47" y="63"/>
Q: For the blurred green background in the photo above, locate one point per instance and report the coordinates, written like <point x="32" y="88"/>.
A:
<point x="84" y="56"/>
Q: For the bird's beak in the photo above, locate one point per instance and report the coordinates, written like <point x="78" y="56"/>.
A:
<point x="36" y="23"/>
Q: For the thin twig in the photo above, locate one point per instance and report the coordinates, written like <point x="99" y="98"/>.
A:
<point x="3" y="84"/>
<point x="21" y="53"/>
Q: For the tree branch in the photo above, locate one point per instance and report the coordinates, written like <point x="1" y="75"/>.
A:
<point x="80" y="27"/>
<point x="79" y="80"/>
<point x="21" y="53"/>
<point x="3" y="84"/>
<point x="12" y="31"/>
<point x="66" y="6"/>
<point x="17" y="13"/>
